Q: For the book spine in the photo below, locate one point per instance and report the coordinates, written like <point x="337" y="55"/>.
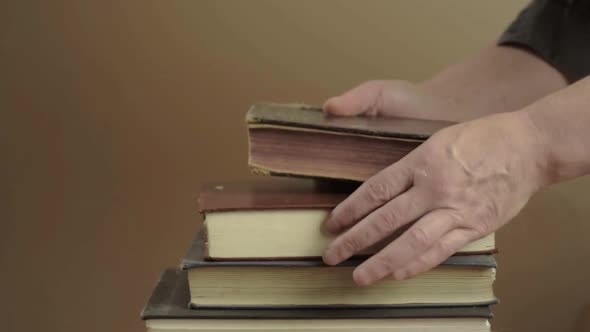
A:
<point x="205" y="234"/>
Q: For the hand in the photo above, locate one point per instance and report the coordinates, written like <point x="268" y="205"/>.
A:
<point x="395" y="98"/>
<point x="462" y="184"/>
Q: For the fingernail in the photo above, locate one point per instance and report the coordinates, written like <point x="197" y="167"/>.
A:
<point x="330" y="256"/>
<point x="329" y="104"/>
<point x="360" y="277"/>
<point x="327" y="228"/>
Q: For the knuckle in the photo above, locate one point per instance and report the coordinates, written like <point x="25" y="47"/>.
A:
<point x="483" y="228"/>
<point x="455" y="219"/>
<point x="384" y="262"/>
<point x="377" y="191"/>
<point x="445" y="249"/>
<point x="400" y="87"/>
<point x="377" y="104"/>
<point x="419" y="238"/>
<point x="387" y="221"/>
<point x="487" y="216"/>
<point x="397" y="90"/>
<point x="351" y="244"/>
<point x="372" y="84"/>
<point x="490" y="211"/>
<point x="414" y="206"/>
<point x="443" y="191"/>
<point x="419" y="262"/>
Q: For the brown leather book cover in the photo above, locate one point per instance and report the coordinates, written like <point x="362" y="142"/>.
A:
<point x="272" y="193"/>
<point x="170" y="300"/>
<point x="310" y="117"/>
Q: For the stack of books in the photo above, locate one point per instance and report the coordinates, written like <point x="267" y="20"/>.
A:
<point x="255" y="264"/>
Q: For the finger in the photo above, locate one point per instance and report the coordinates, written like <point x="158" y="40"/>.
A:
<point x="411" y="244"/>
<point x="448" y="245"/>
<point x="381" y="223"/>
<point x="366" y="98"/>
<point x="373" y="193"/>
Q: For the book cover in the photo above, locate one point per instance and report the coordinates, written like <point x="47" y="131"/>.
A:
<point x="303" y="141"/>
<point x="311" y="117"/>
<point x="170" y="300"/>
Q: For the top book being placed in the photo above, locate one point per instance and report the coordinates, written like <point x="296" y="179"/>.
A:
<point x="299" y="140"/>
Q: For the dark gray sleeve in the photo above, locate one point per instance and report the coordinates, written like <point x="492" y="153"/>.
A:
<point x="558" y="31"/>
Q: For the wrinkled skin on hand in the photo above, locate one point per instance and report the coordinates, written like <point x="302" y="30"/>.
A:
<point x="462" y="184"/>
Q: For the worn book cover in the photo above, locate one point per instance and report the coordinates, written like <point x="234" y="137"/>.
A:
<point x="279" y="218"/>
<point x="458" y="281"/>
<point x="299" y="140"/>
<point x="170" y="300"/>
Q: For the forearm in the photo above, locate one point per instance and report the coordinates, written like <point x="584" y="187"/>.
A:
<point x="562" y="124"/>
<point x="498" y="79"/>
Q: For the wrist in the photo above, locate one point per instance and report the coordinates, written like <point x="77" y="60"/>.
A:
<point x="540" y="155"/>
<point x="565" y="152"/>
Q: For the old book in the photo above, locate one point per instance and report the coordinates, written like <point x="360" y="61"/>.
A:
<point x="459" y="281"/>
<point x="303" y="141"/>
<point x="278" y="218"/>
<point x="167" y="311"/>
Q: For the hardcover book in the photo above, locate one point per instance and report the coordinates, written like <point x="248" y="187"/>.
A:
<point x="167" y="311"/>
<point x="299" y="140"/>
<point x="459" y="281"/>
<point x="278" y="218"/>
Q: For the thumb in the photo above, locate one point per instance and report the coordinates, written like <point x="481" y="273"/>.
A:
<point x="391" y="98"/>
<point x="364" y="99"/>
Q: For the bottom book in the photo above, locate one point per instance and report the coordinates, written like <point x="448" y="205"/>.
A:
<point x="168" y="311"/>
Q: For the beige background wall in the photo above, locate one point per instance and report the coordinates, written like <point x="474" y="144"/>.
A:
<point x="112" y="113"/>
